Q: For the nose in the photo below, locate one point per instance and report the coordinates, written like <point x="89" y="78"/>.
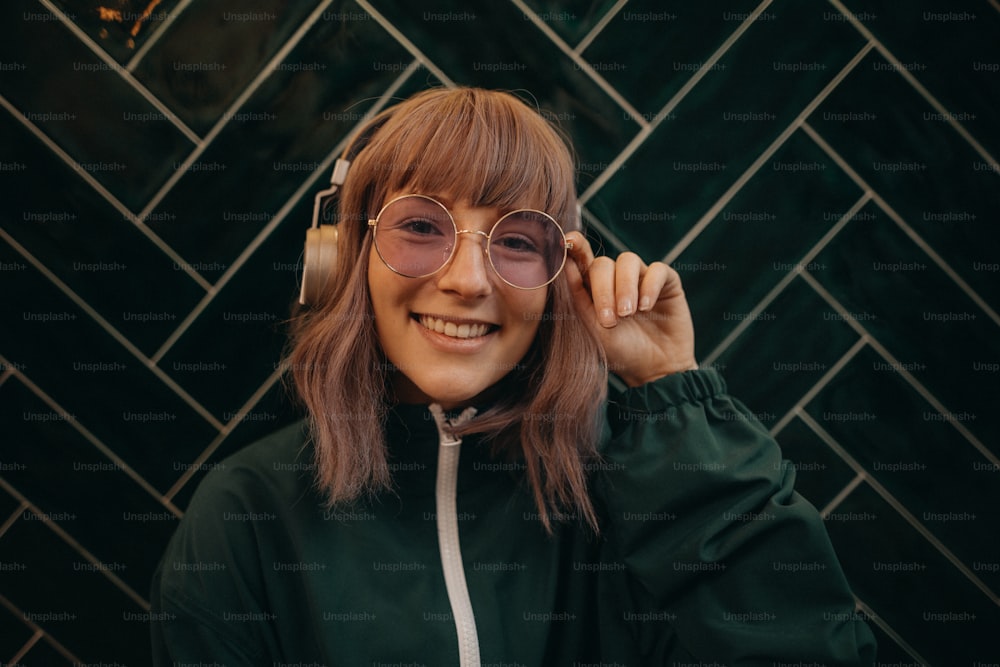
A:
<point x="467" y="272"/>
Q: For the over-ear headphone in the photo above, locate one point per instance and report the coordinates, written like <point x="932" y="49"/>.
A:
<point x="320" y="255"/>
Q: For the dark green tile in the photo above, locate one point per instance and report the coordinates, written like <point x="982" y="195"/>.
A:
<point x="91" y="498"/>
<point x="44" y="654"/>
<point x="494" y="47"/>
<point x="73" y="604"/>
<point x="14" y="632"/>
<point x="233" y="347"/>
<point x="725" y="123"/>
<point x="651" y="49"/>
<point x="792" y="344"/>
<point x="84" y="107"/>
<point x="951" y="50"/>
<point x="205" y="59"/>
<point x="89" y="245"/>
<point x="278" y="140"/>
<point x="757" y="239"/>
<point x="63" y="351"/>
<point x="890" y="653"/>
<point x="274" y="411"/>
<point x="819" y="473"/>
<point x="572" y="20"/>
<point x="120" y="29"/>
<point x="925" y="321"/>
<point x="941" y="187"/>
<point x="910" y="585"/>
<point x="924" y="463"/>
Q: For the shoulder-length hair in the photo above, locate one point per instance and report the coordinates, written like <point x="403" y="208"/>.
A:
<point x="493" y="150"/>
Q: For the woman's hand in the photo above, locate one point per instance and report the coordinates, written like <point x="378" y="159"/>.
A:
<point x="638" y="312"/>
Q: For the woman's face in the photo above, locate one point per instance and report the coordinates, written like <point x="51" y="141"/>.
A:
<point x="488" y="326"/>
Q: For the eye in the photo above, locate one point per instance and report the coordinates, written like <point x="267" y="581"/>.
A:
<point x="516" y="243"/>
<point x="420" y="227"/>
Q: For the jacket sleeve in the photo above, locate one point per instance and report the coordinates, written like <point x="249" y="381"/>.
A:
<point x="701" y="512"/>
<point x="206" y="593"/>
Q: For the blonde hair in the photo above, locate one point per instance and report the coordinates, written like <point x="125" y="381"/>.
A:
<point x="491" y="149"/>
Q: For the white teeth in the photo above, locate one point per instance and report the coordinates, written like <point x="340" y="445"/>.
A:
<point x="464" y="330"/>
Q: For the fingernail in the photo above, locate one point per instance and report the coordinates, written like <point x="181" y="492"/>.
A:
<point x="645" y="303"/>
<point x="625" y="307"/>
<point x="607" y="316"/>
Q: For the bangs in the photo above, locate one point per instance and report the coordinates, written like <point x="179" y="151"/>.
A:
<point x="483" y="147"/>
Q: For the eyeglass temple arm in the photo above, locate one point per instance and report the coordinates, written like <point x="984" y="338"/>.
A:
<point x="336" y="180"/>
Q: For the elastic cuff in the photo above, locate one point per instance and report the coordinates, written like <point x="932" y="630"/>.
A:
<point x="673" y="390"/>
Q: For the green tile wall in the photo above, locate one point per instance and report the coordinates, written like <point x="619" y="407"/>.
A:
<point x="824" y="175"/>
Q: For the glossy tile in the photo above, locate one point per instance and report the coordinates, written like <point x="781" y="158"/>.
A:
<point x="94" y="380"/>
<point x="572" y="20"/>
<point x="961" y="72"/>
<point x="785" y="363"/>
<point x="494" y="47"/>
<point x="910" y="585"/>
<point x="212" y="51"/>
<point x="951" y="193"/>
<point x="757" y="89"/>
<point x="757" y="239"/>
<point x="279" y="139"/>
<point x="122" y="28"/>
<point x="14" y="632"/>
<point x="876" y="271"/>
<point x="85" y="107"/>
<point x="67" y="598"/>
<point x="819" y="473"/>
<point x="88" y="494"/>
<point x="664" y="45"/>
<point x="942" y="480"/>
<point x="88" y="245"/>
<point x="237" y="342"/>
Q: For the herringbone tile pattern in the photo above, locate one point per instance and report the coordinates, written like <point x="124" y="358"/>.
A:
<point x="823" y="174"/>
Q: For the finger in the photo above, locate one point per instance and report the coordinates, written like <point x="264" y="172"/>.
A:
<point x="654" y="283"/>
<point x="580" y="253"/>
<point x="601" y="277"/>
<point x="628" y="268"/>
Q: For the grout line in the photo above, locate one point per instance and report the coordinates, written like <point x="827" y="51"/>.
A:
<point x="819" y="385"/>
<point x="594" y="222"/>
<point x="28" y="645"/>
<point x="598" y="27"/>
<point x="243" y="97"/>
<point x="155" y="35"/>
<point x="582" y="64"/>
<point x="887" y="629"/>
<point x="105" y="193"/>
<point x="839" y="498"/>
<point x="100" y="446"/>
<point x="778" y="142"/>
<point x="912" y="80"/>
<point x="68" y="539"/>
<point x="112" y="331"/>
<point x="12" y="519"/>
<point x="786" y="280"/>
<point x="226" y="431"/>
<point x="909" y="231"/>
<point x="668" y="108"/>
<point x="901" y="369"/>
<point x="62" y="650"/>
<point x="280" y="216"/>
<point x="406" y="43"/>
<point x="113" y="65"/>
<point x="895" y="504"/>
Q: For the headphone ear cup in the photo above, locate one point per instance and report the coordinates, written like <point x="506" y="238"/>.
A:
<point x="318" y="263"/>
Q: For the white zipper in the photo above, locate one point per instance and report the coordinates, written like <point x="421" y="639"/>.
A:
<point x="448" y="540"/>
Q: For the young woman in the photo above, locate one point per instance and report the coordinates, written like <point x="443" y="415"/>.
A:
<point x="463" y="491"/>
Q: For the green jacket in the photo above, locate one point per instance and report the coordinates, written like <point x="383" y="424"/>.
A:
<point x="706" y="556"/>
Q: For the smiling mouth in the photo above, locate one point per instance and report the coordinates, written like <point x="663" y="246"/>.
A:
<point x="455" y="329"/>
